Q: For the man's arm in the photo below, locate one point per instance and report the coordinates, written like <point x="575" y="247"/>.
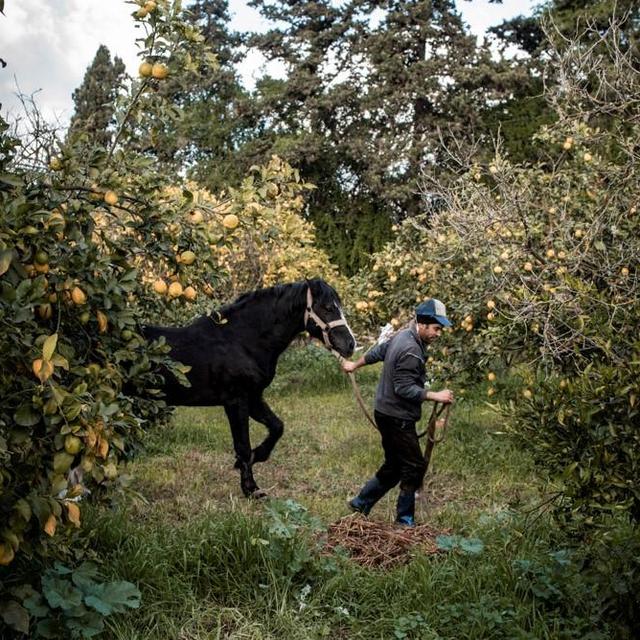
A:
<point x="404" y="382"/>
<point x="375" y="354"/>
<point x="445" y="396"/>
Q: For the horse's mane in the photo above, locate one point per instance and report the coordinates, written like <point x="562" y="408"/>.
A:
<point x="293" y="293"/>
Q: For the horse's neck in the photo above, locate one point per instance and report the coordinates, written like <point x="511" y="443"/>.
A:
<point x="287" y="324"/>
<point x="276" y="331"/>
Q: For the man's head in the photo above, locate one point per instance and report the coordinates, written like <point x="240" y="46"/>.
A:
<point x="431" y="317"/>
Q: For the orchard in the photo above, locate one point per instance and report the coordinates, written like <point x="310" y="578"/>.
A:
<point x="536" y="260"/>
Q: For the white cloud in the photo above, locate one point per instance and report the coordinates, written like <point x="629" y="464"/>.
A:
<point x="481" y="14"/>
<point x="48" y="45"/>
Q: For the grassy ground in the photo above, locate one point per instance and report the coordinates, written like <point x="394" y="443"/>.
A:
<point x="211" y="564"/>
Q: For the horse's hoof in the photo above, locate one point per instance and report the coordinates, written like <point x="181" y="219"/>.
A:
<point x="259" y="494"/>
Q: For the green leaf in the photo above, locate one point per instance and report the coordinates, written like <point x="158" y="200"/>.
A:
<point x="15" y="616"/>
<point x="87" y="626"/>
<point x="49" y="346"/>
<point x="472" y="546"/>
<point x="36" y="606"/>
<point x="48" y="629"/>
<point x="26" y="416"/>
<point x="447" y="543"/>
<point x="61" y="593"/>
<point x="6" y="255"/>
<point x="23" y="508"/>
<point x="85" y="576"/>
<point x="114" y="597"/>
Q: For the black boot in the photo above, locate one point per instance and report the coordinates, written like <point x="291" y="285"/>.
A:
<point x="372" y="491"/>
<point x="406" y="507"/>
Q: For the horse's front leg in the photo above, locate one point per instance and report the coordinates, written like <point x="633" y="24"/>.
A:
<point x="238" y="415"/>
<point x="260" y="411"/>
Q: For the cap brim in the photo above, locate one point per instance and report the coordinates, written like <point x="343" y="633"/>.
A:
<point x="443" y="321"/>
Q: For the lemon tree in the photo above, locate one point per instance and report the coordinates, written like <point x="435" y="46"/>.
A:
<point x="81" y="229"/>
<point x="539" y="267"/>
<point x="258" y="235"/>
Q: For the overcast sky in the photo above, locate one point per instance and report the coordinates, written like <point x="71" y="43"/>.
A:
<point x="48" y="44"/>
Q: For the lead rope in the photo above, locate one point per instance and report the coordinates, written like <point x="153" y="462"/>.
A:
<point x="431" y="429"/>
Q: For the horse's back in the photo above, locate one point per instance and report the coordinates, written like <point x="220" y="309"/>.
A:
<point x="221" y="367"/>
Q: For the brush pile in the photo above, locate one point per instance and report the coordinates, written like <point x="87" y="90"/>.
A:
<point x="380" y="544"/>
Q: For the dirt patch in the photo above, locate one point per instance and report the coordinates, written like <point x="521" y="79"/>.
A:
<point x="440" y="488"/>
<point x="379" y="544"/>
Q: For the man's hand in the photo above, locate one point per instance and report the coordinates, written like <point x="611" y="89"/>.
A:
<point x="350" y="367"/>
<point x="445" y="396"/>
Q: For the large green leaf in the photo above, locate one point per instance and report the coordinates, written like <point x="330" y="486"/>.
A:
<point x="15" y="616"/>
<point x="61" y="593"/>
<point x="114" y="597"/>
<point x="27" y="416"/>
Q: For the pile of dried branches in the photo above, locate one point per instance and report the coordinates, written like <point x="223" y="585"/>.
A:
<point x="380" y="544"/>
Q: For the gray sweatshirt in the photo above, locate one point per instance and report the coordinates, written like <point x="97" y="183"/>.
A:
<point x="401" y="388"/>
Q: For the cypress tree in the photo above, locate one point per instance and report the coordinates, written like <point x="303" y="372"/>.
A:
<point x="94" y="99"/>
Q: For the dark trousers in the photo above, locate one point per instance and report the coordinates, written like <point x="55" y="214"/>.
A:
<point x="403" y="459"/>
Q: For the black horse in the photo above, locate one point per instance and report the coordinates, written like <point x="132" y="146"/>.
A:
<point x="233" y="356"/>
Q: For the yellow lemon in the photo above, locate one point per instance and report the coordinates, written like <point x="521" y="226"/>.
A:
<point x="111" y="198"/>
<point x="72" y="444"/>
<point x="160" y="71"/>
<point x="78" y="296"/>
<point x="145" y="69"/>
<point x="196" y="217"/>
<point x="103" y="322"/>
<point x="175" y="290"/>
<point x="43" y="369"/>
<point x="187" y="257"/>
<point x="230" y="221"/>
<point x="160" y="286"/>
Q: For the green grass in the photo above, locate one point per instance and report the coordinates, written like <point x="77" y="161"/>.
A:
<point x="211" y="564"/>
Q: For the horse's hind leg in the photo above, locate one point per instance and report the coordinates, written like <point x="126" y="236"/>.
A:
<point x="238" y="415"/>
<point x="260" y="411"/>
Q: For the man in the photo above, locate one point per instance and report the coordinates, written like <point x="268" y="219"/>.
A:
<point x="400" y="394"/>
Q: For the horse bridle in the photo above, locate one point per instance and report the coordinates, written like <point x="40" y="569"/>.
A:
<point x="325" y="327"/>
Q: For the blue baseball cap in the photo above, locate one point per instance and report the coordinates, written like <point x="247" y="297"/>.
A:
<point x="435" y="309"/>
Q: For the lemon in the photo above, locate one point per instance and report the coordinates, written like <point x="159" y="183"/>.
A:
<point x="111" y="198"/>
<point x="175" y="290"/>
<point x="230" y="221"/>
<point x="187" y="257"/>
<point x="72" y="444"/>
<point x="78" y="296"/>
<point x="160" y="286"/>
<point x="145" y="69"/>
<point x="159" y="71"/>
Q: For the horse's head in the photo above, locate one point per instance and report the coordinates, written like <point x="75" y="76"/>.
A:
<point x="324" y="320"/>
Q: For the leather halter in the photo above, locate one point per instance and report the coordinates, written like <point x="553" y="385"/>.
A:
<point x="325" y="327"/>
